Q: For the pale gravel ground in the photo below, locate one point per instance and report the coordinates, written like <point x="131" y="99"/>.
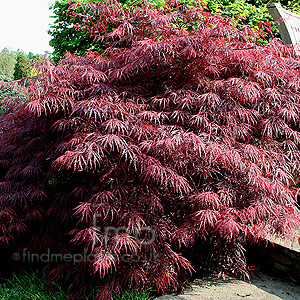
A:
<point x="266" y="288"/>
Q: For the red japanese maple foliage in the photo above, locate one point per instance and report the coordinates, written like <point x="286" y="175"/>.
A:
<point x="184" y="127"/>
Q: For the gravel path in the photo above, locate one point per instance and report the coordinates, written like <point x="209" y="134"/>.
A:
<point x="263" y="288"/>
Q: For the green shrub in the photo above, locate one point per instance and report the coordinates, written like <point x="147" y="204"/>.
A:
<point x="4" y="90"/>
<point x="7" y="62"/>
<point x="4" y="78"/>
<point x="8" y="90"/>
<point x="65" y="37"/>
<point x="21" y="69"/>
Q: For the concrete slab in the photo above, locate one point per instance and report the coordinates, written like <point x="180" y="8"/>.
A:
<point x="263" y="288"/>
<point x="295" y="245"/>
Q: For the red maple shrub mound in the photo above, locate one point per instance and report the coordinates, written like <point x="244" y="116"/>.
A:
<point x="184" y="131"/>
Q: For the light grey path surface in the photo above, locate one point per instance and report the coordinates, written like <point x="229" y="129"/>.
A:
<point x="266" y="288"/>
<point x="295" y="245"/>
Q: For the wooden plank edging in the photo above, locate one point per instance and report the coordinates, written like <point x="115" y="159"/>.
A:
<point x="288" y="24"/>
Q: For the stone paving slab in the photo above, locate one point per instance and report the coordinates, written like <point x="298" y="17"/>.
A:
<point x="263" y="288"/>
<point x="295" y="245"/>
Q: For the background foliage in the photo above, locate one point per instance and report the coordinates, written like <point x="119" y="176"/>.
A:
<point x="7" y="63"/>
<point x="15" y="64"/>
<point x="21" y="68"/>
<point x="8" y="89"/>
<point x="66" y="39"/>
<point x="292" y="5"/>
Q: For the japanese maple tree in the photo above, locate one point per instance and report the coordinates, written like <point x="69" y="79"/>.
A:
<point x="184" y="127"/>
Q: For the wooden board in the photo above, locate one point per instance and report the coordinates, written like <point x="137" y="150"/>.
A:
<point x="288" y="24"/>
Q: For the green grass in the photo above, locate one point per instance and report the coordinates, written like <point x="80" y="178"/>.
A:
<point x="33" y="286"/>
<point x="134" y="295"/>
<point x="30" y="286"/>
